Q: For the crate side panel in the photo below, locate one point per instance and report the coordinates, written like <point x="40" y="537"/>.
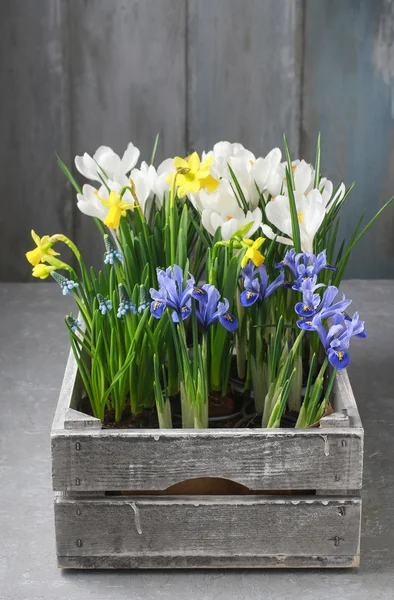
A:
<point x="207" y="527"/>
<point x="259" y="459"/>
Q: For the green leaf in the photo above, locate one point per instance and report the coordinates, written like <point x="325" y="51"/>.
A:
<point x="360" y="235"/>
<point x="242" y="231"/>
<point x="68" y="174"/>
<point x="293" y="213"/>
<point x="288" y="159"/>
<point x="241" y="195"/>
<point x="317" y="164"/>
<point x="154" y="149"/>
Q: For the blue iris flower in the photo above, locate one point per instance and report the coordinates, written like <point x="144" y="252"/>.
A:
<point x="212" y="311"/>
<point x="336" y="340"/>
<point x="256" y="284"/>
<point x="174" y="294"/>
<point x="304" y="265"/>
<point x="313" y="304"/>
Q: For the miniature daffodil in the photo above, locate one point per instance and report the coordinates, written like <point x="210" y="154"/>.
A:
<point x="42" y="271"/>
<point x="117" y="209"/>
<point x="252" y="253"/>
<point x="192" y="175"/>
<point x="43" y="249"/>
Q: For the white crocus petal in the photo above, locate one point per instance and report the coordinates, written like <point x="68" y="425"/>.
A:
<point x="206" y="220"/>
<point x="107" y="164"/>
<point x="311" y="212"/>
<point x="268" y="173"/>
<point x="278" y="213"/>
<point x="212" y="220"/>
<point x="303" y="177"/>
<point x="221" y="200"/>
<point x="87" y="167"/>
<point x="338" y="196"/>
<point x="130" y="158"/>
<point x="89" y="202"/>
<point x="242" y="167"/>
<point x="326" y="188"/>
<point x="224" y="153"/>
<point x="268" y="232"/>
<point x="149" y="173"/>
<point x="142" y="190"/>
<point x="166" y="167"/>
<point x="162" y="187"/>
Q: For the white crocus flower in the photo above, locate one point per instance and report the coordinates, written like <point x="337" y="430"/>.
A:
<point x="224" y="153"/>
<point x="241" y="160"/>
<point x="162" y="187"/>
<point x="97" y="203"/>
<point x="268" y="173"/>
<point x="304" y="175"/>
<point x="89" y="202"/>
<point x="212" y="220"/>
<point x="106" y="164"/>
<point x="310" y="210"/>
<point x="153" y="181"/>
<point x="221" y="200"/>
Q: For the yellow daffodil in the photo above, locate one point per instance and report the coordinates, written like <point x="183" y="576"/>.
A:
<point x="43" y="249"/>
<point x="192" y="175"/>
<point x="117" y="209"/>
<point x="42" y="271"/>
<point x="252" y="252"/>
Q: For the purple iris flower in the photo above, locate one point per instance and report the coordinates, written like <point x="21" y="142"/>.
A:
<point x="312" y="304"/>
<point x="336" y="340"/>
<point x="304" y="265"/>
<point x="213" y="310"/>
<point x="256" y="284"/>
<point x="174" y="294"/>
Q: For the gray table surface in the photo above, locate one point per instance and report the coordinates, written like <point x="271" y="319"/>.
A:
<point x="33" y="350"/>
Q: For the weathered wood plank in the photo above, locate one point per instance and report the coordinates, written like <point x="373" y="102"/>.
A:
<point x="244" y="64"/>
<point x="128" y="83"/>
<point x="34" y="124"/>
<point x="344" y="401"/>
<point x="259" y="459"/>
<point x="348" y="95"/>
<point x="175" y="531"/>
<point x="70" y="393"/>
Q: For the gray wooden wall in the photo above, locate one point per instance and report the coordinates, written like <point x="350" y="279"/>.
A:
<point x="79" y="73"/>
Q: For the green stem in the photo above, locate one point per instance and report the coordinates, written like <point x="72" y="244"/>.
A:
<point x="173" y="232"/>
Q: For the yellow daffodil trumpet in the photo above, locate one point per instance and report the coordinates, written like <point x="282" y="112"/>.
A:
<point x="42" y="271"/>
<point x="117" y="209"/>
<point x="252" y="253"/>
<point x="43" y="249"/>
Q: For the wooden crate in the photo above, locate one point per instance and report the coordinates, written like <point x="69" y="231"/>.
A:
<point x="295" y="500"/>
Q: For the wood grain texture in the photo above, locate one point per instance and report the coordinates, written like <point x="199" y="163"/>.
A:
<point x="177" y="532"/>
<point x="259" y="459"/>
<point x="128" y="83"/>
<point x="348" y="95"/>
<point x="244" y="73"/>
<point x="34" y="124"/>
